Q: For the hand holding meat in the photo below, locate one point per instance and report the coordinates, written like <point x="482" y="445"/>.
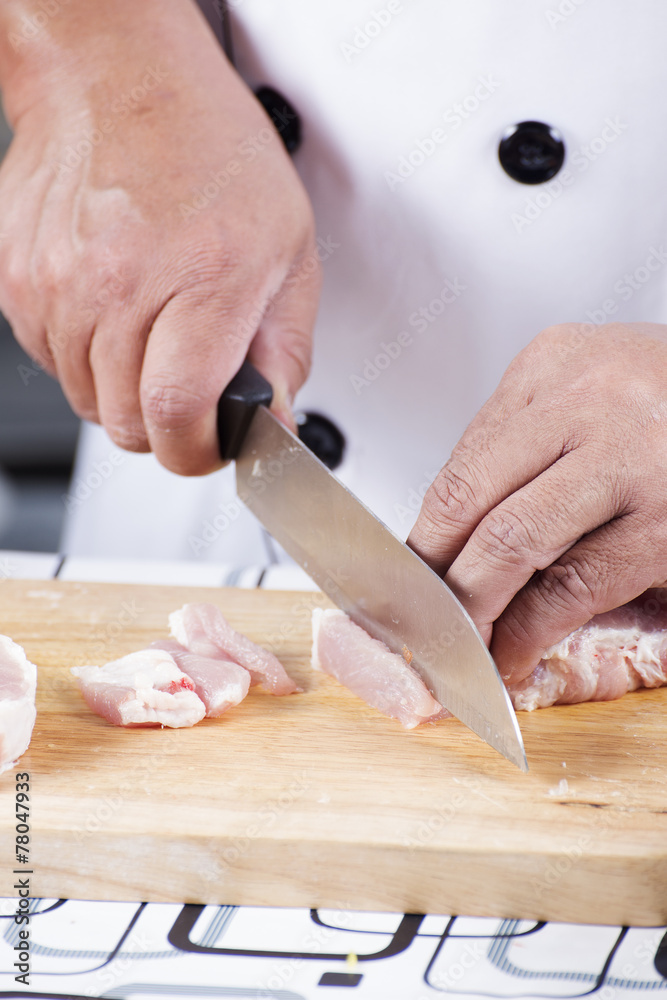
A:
<point x="153" y="227"/>
<point x="553" y="506"/>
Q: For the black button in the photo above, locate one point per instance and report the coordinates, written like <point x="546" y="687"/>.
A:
<point x="531" y="152"/>
<point x="660" y="960"/>
<point x="283" y="116"/>
<point x="322" y="437"/>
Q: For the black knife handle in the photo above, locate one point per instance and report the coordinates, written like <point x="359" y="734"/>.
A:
<point x="236" y="408"/>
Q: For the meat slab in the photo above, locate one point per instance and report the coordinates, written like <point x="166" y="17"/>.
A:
<point x="616" y="652"/>
<point x="141" y="689"/>
<point x="18" y="681"/>
<point x="220" y="684"/>
<point x="203" y="629"/>
<point x="206" y="669"/>
<point x="370" y="669"/>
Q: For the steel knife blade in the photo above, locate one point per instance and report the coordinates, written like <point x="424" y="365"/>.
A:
<point x="364" y="568"/>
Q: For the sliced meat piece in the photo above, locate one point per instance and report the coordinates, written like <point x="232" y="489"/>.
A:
<point x="219" y="683"/>
<point x="616" y="652"/>
<point x="203" y="629"/>
<point x="141" y="689"/>
<point x="369" y="668"/>
<point x="18" y="681"/>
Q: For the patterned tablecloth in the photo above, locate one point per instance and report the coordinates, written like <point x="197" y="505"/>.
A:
<point x="162" y="950"/>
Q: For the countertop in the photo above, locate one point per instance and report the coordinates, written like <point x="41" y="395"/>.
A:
<point x="116" y="949"/>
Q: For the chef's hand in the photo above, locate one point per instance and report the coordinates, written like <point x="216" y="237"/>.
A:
<point x="153" y="227"/>
<point x="553" y="506"/>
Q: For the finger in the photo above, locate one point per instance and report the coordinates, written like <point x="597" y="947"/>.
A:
<point x="476" y="479"/>
<point x="116" y="359"/>
<point x="530" y="530"/>
<point x="606" y="569"/>
<point x="19" y="302"/>
<point x="281" y="349"/>
<point x="31" y="335"/>
<point x="69" y="346"/>
<point x="48" y="280"/>
<point x="194" y="348"/>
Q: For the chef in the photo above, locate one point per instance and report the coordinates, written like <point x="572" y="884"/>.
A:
<point x="479" y="189"/>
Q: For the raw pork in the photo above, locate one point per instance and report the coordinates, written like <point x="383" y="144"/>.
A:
<point x="370" y="669"/>
<point x="616" y="652"/>
<point x="219" y="683"/>
<point x="18" y="681"/>
<point x="203" y="629"/>
<point x="141" y="689"/>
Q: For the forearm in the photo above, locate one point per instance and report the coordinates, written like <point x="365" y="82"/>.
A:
<point x="91" y="42"/>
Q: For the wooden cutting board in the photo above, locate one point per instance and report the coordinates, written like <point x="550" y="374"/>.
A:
<point x="316" y="799"/>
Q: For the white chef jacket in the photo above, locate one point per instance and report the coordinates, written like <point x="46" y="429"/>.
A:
<point x="438" y="266"/>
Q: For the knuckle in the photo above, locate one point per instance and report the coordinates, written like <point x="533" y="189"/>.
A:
<point x="116" y="281"/>
<point x="167" y="406"/>
<point x="514" y="625"/>
<point x="508" y="535"/>
<point x="451" y="494"/>
<point x="67" y="337"/>
<point x="129" y="437"/>
<point x="211" y="257"/>
<point x="15" y="280"/>
<point x="512" y="631"/>
<point x="566" y="584"/>
<point x="52" y="271"/>
<point x="478" y="440"/>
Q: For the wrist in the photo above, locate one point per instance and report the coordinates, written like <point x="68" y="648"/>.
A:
<point x="80" y="46"/>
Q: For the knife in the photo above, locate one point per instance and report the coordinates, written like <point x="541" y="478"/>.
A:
<point x="364" y="568"/>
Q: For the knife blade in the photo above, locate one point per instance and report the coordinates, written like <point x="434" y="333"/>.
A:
<point x="366" y="570"/>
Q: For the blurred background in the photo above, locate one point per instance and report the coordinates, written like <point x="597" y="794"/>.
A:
<point x="38" y="434"/>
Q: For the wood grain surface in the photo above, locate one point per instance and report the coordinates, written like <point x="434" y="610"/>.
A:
<point x="316" y="799"/>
